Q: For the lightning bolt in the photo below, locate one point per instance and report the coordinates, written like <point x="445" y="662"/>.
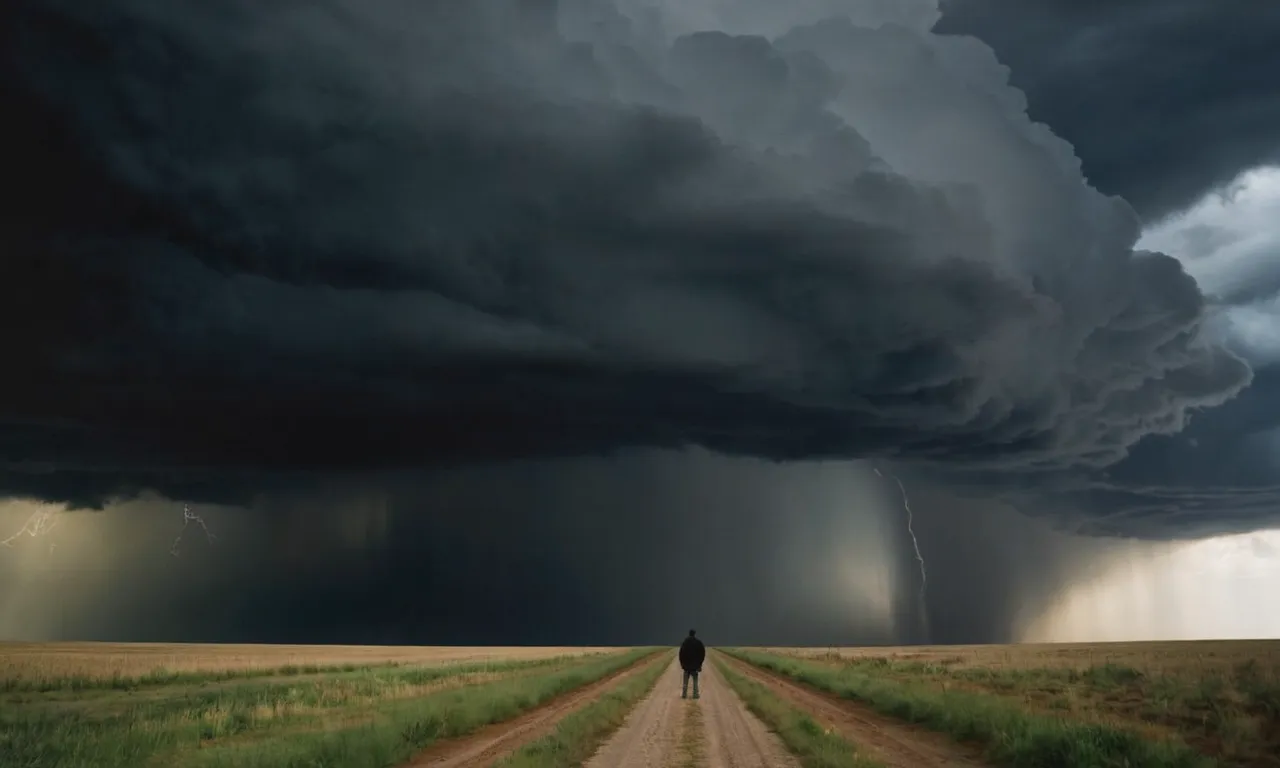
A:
<point x="188" y="519"/>
<point x="40" y="523"/>
<point x="43" y="521"/>
<point x="915" y="544"/>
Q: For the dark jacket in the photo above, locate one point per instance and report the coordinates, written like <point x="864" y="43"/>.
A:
<point x="692" y="654"/>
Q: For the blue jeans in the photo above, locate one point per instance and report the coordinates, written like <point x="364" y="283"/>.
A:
<point x="684" y="688"/>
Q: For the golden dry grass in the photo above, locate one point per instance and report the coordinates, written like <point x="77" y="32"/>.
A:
<point x="1198" y="657"/>
<point x="44" y="661"/>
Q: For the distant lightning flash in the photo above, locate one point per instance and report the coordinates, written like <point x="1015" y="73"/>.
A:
<point x="41" y="523"/>
<point x="189" y="517"/>
<point x="906" y="504"/>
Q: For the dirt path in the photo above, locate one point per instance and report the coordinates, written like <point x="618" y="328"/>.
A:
<point x="715" y="731"/>
<point x="894" y="743"/>
<point x="493" y="742"/>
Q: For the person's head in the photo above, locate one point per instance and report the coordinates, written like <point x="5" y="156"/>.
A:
<point x="692" y="633"/>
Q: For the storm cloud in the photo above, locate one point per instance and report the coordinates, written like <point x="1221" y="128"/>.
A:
<point x="606" y="550"/>
<point x="1218" y="473"/>
<point x="1162" y="99"/>
<point x="259" y="243"/>
<point x="620" y="550"/>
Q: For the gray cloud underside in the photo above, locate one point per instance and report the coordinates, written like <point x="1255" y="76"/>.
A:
<point x="1218" y="475"/>
<point x="349" y="236"/>
<point x="1163" y="99"/>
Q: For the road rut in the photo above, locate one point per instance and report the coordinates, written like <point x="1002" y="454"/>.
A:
<point x="493" y="742"/>
<point x="894" y="743"/>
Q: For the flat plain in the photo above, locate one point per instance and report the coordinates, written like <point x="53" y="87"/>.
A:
<point x="1140" y="705"/>
<point x="1221" y="699"/>
<point x="1157" y="657"/>
<point x="83" y="705"/>
<point x="27" y="664"/>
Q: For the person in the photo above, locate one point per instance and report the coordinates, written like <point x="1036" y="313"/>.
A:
<point x="692" y="654"/>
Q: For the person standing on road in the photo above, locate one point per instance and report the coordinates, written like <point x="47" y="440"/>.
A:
<point x="692" y="654"/>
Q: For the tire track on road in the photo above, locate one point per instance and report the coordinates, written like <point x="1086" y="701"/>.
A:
<point x="735" y="737"/>
<point x="892" y="742"/>
<point x="492" y="742"/>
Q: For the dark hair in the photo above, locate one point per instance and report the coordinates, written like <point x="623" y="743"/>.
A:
<point x="691" y="633"/>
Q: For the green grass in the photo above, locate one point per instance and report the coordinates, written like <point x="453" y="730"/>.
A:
<point x="578" y="736"/>
<point x="162" y="677"/>
<point x="806" y="739"/>
<point x="691" y="745"/>
<point x="316" y="692"/>
<point x="370" y="717"/>
<point x="1229" y="713"/>
<point x="1012" y="734"/>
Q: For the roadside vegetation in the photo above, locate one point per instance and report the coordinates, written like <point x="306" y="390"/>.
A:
<point x="1012" y="733"/>
<point x="372" y="716"/>
<point x="807" y="740"/>
<point x="578" y="736"/>
<point x="1222" y="699"/>
<point x="1233" y="716"/>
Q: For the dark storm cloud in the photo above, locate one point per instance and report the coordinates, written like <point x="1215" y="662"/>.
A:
<point x="1218" y="475"/>
<point x="255" y="240"/>
<point x="623" y="550"/>
<point x="604" y="551"/>
<point x="1162" y="99"/>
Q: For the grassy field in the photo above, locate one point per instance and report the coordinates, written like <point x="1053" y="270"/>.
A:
<point x="1174" y="657"/>
<point x="238" y="711"/>
<point x="804" y="737"/>
<point x="1218" y="699"/>
<point x="49" y="666"/>
<point x="1152" y="705"/>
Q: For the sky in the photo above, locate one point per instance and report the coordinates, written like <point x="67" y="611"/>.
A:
<point x="521" y="321"/>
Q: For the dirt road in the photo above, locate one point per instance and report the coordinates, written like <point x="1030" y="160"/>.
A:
<point x="487" y="745"/>
<point x="892" y="742"/>
<point x="715" y="731"/>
